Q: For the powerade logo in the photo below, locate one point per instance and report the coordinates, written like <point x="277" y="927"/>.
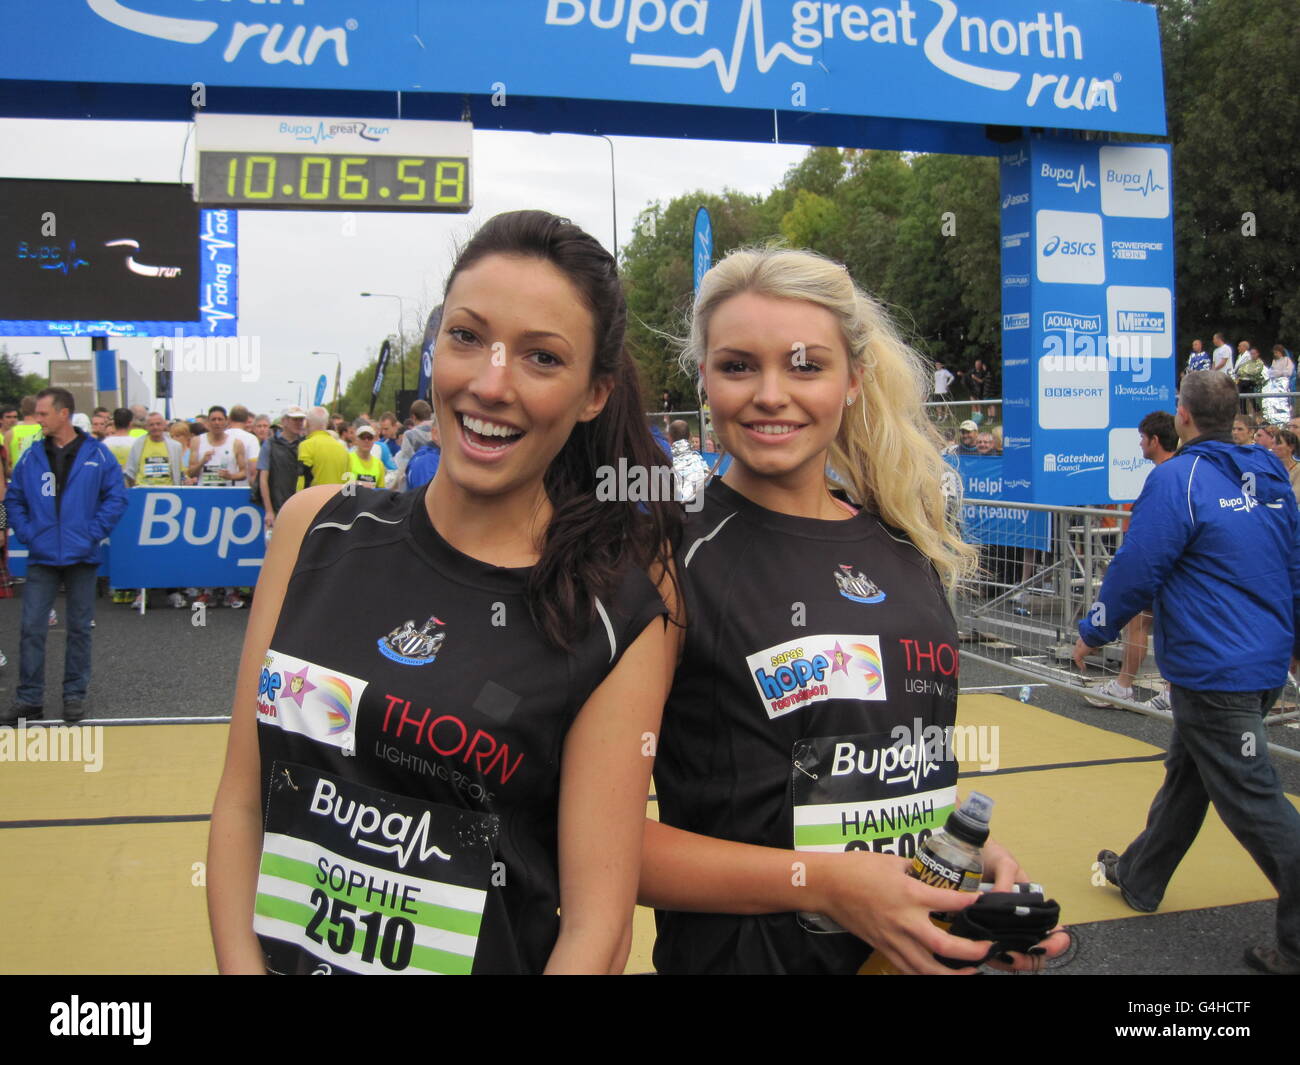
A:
<point x="790" y="676"/>
<point x="1140" y="321"/>
<point x="1078" y="323"/>
<point x="1066" y="177"/>
<point x="1069" y="247"/>
<point x="1015" y="321"/>
<point x="679" y="27"/>
<point x="1134" y="249"/>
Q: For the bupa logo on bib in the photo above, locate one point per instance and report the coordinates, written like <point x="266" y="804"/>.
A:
<point x="309" y="699"/>
<point x="792" y="675"/>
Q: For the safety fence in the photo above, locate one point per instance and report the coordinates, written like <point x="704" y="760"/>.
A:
<point x="1041" y="568"/>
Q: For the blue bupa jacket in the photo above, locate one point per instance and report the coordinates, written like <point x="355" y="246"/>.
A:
<point x="66" y="530"/>
<point x="1213" y="548"/>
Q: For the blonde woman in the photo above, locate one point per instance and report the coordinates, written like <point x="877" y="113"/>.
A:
<point x="817" y="638"/>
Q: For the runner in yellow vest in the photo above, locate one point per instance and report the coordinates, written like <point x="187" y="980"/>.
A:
<point x="364" y="466"/>
<point x="24" y="433"/>
<point x="120" y="441"/>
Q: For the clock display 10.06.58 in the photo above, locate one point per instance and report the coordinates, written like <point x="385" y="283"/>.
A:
<point x="333" y="182"/>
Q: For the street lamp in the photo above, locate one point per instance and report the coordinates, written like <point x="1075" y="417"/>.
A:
<point x="338" y="372"/>
<point x="300" y="384"/>
<point x="401" y="317"/>
<point x="613" y="193"/>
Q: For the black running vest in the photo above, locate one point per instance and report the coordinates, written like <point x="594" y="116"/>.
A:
<point x="819" y="671"/>
<point x="411" y="721"/>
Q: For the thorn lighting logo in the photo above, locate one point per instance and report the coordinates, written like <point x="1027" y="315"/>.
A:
<point x="298" y="48"/>
<point x="812" y="23"/>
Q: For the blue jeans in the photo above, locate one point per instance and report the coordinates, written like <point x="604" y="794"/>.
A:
<point x="38" y="598"/>
<point x="1219" y="754"/>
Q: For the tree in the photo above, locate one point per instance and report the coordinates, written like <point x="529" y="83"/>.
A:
<point x="14" y="384"/>
<point x="1232" y="88"/>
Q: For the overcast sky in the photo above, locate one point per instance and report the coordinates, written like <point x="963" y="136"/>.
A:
<point x="299" y="276"/>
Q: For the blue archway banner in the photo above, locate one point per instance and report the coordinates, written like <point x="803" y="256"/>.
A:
<point x="1073" y="64"/>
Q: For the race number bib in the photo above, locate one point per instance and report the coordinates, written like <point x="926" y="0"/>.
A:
<point x="210" y="475"/>
<point x="876" y="793"/>
<point x="155" y="469"/>
<point x="357" y="880"/>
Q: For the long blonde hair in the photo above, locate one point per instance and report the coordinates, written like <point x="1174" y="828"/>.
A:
<point x="887" y="451"/>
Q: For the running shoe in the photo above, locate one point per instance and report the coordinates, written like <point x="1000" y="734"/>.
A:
<point x="54" y="617"/>
<point x="1110" y="864"/>
<point x="177" y="600"/>
<point x="233" y="601"/>
<point x="1159" y="701"/>
<point x="1105" y="694"/>
<point x="138" y="601"/>
<point x="3" y="661"/>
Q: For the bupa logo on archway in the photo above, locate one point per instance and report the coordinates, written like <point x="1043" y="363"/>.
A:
<point x="721" y="39"/>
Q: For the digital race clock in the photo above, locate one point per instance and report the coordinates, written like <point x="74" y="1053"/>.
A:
<point x="311" y="164"/>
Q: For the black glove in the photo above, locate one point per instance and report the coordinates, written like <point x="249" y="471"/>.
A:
<point x="1013" y="920"/>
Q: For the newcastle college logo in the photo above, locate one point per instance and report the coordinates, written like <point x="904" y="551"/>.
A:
<point x="411" y="646"/>
<point x="856" y="586"/>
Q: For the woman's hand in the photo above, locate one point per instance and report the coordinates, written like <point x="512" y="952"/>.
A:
<point x="874" y="898"/>
<point x="1003" y="871"/>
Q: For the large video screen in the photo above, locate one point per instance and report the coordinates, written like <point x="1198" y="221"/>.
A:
<point x="87" y="250"/>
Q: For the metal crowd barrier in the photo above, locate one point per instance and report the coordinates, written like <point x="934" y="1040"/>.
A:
<point x="1020" y="612"/>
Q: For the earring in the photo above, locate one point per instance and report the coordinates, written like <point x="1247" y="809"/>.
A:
<point x="848" y="401"/>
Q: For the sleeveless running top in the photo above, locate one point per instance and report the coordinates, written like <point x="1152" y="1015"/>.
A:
<point x="411" y="722"/>
<point x="368" y="474"/>
<point x="24" y="436"/>
<point x="223" y="458"/>
<point x="808" y="643"/>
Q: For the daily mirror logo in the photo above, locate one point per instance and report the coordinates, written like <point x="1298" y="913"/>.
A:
<point x="1069" y="248"/>
<point x="967" y="47"/>
<point x="1141" y="313"/>
<point x="1134" y="182"/>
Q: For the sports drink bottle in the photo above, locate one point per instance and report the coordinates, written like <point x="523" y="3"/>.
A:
<point x="951" y="858"/>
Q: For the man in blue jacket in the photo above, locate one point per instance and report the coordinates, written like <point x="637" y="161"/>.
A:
<point x="1213" y="536"/>
<point x="66" y="495"/>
